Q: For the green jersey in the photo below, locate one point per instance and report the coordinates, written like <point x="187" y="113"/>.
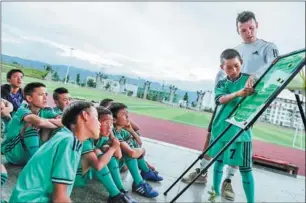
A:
<point x="224" y="87"/>
<point x="102" y="141"/>
<point x="124" y="136"/>
<point x="13" y="146"/>
<point x="55" y="162"/>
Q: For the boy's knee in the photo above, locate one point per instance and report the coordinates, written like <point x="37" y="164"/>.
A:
<point x="245" y="169"/>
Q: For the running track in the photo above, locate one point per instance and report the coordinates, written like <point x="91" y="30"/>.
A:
<point x="193" y="137"/>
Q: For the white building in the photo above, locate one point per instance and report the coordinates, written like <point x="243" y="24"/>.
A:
<point x="114" y="86"/>
<point x="284" y="111"/>
<point x="208" y="101"/>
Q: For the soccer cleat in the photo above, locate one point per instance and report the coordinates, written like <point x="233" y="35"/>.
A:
<point x="227" y="190"/>
<point x="213" y="196"/>
<point x="202" y="179"/>
<point x="129" y="197"/>
<point x="144" y="189"/>
<point x="151" y="175"/>
<point x="120" y="198"/>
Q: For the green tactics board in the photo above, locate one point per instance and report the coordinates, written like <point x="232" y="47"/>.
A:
<point x="275" y="79"/>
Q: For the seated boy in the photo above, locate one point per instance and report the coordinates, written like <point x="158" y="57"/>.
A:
<point x="102" y="166"/>
<point x="49" y="175"/>
<point x="133" y="154"/>
<point x="106" y="103"/>
<point x="22" y="138"/>
<point x="6" y="109"/>
<point x="228" y="93"/>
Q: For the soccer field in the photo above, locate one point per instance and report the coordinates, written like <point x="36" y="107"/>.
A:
<point x="262" y="131"/>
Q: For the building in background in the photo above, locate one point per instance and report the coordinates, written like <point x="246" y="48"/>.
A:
<point x="284" y="111"/>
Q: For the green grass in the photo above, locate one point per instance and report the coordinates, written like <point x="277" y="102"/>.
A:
<point x="30" y="72"/>
<point x="262" y="131"/>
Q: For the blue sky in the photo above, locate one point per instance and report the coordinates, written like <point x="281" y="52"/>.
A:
<point x="175" y="42"/>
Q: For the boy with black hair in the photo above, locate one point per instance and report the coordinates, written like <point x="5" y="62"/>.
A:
<point x="49" y="175"/>
<point x="102" y="166"/>
<point x="12" y="92"/>
<point x="61" y="98"/>
<point x="22" y="138"/>
<point x="228" y="93"/>
<point x="133" y="154"/>
<point x="257" y="56"/>
<point x="107" y="103"/>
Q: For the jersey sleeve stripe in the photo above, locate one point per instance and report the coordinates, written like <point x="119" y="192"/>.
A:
<point x="87" y="151"/>
<point x="63" y="181"/>
<point x="26" y="114"/>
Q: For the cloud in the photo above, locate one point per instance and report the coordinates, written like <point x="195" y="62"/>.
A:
<point x="155" y="40"/>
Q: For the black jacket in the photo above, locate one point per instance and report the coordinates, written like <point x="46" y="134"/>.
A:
<point x="5" y="94"/>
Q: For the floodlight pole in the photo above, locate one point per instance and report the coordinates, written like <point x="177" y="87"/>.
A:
<point x="66" y="77"/>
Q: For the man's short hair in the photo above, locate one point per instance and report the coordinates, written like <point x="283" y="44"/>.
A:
<point x="116" y="107"/>
<point x="72" y="111"/>
<point x="103" y="111"/>
<point x="244" y="17"/>
<point x="30" y="87"/>
<point x="58" y="91"/>
<point x="12" y="71"/>
<point x="105" y="102"/>
<point x="229" y="54"/>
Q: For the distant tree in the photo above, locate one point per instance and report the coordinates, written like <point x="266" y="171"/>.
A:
<point x="91" y="83"/>
<point x="104" y="76"/>
<point x="48" y="68"/>
<point x="107" y="86"/>
<point x="186" y="97"/>
<point x="55" y="76"/>
<point x="78" y="79"/>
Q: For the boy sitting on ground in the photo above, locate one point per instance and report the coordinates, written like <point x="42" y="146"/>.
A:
<point x="22" y="138"/>
<point x="107" y="103"/>
<point x="102" y="166"/>
<point x="49" y="175"/>
<point x="133" y="154"/>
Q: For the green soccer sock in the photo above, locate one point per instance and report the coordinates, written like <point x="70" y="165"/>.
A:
<point x="3" y="178"/>
<point x="248" y="185"/>
<point x="114" y="170"/>
<point x="143" y="165"/>
<point x="106" y="179"/>
<point x="31" y="141"/>
<point x="133" y="168"/>
<point x="217" y="178"/>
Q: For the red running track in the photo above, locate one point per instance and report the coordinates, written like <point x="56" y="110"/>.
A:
<point x="193" y="137"/>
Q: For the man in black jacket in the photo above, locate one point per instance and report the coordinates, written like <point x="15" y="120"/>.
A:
<point x="12" y="92"/>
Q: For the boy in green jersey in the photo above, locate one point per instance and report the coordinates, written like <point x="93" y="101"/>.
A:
<point x="133" y="153"/>
<point x="103" y="165"/>
<point x="49" y="175"/>
<point x="228" y="93"/>
<point x="23" y="137"/>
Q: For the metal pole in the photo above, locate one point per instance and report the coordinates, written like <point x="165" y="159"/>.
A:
<point x="209" y="164"/>
<point x="66" y="77"/>
<point x="199" y="158"/>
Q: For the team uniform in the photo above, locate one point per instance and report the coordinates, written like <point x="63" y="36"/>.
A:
<point x="109" y="175"/>
<point x="240" y="152"/>
<point x="139" y="185"/>
<point x="125" y="136"/>
<point x="22" y="140"/>
<point x="36" y="181"/>
<point x="83" y="176"/>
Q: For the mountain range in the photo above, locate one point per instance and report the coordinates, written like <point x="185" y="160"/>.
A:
<point x="61" y="70"/>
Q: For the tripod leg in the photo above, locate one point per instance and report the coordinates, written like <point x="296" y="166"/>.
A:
<point x="298" y="101"/>
<point x="200" y="157"/>
<point x="207" y="167"/>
